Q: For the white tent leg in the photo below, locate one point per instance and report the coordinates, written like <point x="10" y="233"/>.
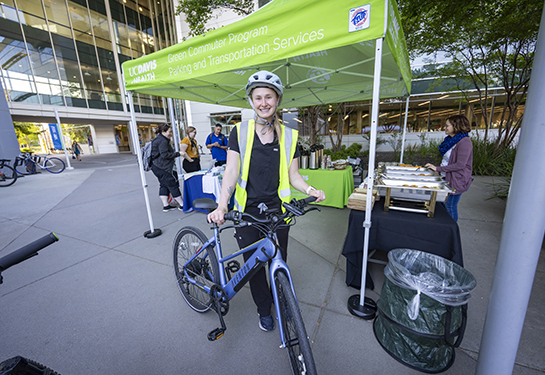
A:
<point x="404" y="130"/>
<point x="367" y="307"/>
<point x="522" y="234"/>
<point x="176" y="134"/>
<point x="136" y="146"/>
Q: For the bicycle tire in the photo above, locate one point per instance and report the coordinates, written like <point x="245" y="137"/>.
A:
<point x="204" y="269"/>
<point x="54" y="165"/>
<point x="24" y="366"/>
<point x="27" y="166"/>
<point x="8" y="176"/>
<point x="297" y="344"/>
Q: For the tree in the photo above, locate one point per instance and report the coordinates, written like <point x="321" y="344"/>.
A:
<point x="199" y="12"/>
<point x="27" y="133"/>
<point x="491" y="44"/>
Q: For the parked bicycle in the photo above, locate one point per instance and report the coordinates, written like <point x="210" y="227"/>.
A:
<point x="8" y="176"/>
<point x="208" y="280"/>
<point x="26" y="163"/>
<point x="19" y="365"/>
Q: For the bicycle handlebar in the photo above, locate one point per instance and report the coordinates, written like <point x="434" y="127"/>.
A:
<point x="294" y="208"/>
<point x="26" y="252"/>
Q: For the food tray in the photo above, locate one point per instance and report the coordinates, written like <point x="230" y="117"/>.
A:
<point x="411" y="177"/>
<point x="420" y="172"/>
<point x="419" y="191"/>
<point x="403" y="168"/>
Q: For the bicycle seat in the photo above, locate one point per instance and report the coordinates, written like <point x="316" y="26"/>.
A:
<point x="205" y="204"/>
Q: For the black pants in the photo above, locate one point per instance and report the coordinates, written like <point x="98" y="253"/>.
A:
<point x="261" y="292"/>
<point x="168" y="182"/>
<point x="219" y="163"/>
<point x="192" y="166"/>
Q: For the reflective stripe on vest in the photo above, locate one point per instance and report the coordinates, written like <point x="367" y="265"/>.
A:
<point x="287" y="144"/>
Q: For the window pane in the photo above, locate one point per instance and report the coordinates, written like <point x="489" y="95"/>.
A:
<point x="100" y="26"/>
<point x="14" y="59"/>
<point x="31" y="7"/>
<point x="56" y="12"/>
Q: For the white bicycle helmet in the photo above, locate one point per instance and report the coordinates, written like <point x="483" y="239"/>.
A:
<point x="264" y="78"/>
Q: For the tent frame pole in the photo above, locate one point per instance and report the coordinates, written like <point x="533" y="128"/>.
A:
<point x="404" y="130"/>
<point x="176" y="134"/>
<point x="153" y="232"/>
<point x="359" y="305"/>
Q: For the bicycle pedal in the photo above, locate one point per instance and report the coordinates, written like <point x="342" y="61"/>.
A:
<point x="233" y="266"/>
<point x="216" y="334"/>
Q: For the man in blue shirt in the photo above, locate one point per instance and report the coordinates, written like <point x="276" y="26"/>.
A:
<point x="217" y="142"/>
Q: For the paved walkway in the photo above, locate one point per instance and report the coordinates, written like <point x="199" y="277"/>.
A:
<point x="103" y="300"/>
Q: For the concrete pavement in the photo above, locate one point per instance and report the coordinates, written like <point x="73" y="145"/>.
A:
<point x="103" y="300"/>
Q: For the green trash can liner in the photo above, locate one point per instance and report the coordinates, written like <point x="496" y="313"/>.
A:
<point x="422" y="334"/>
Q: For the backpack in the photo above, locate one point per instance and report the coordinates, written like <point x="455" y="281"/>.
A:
<point x="146" y="156"/>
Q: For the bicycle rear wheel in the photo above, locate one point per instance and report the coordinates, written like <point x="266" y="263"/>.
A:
<point x="8" y="176"/>
<point x="203" y="269"/>
<point x="297" y="344"/>
<point x="54" y="165"/>
<point x="25" y="166"/>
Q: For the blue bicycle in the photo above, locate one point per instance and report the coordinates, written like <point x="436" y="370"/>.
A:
<point x="208" y="280"/>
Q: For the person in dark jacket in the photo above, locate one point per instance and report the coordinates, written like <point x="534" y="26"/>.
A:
<point x="162" y="156"/>
<point x="457" y="163"/>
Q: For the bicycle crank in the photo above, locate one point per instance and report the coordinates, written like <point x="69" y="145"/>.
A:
<point x="222" y="307"/>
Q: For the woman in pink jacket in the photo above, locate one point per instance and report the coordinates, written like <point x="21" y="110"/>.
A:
<point x="457" y="163"/>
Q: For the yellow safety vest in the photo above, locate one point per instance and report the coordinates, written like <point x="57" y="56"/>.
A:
<point x="287" y="144"/>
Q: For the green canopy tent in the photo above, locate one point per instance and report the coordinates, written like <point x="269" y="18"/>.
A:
<point x="324" y="52"/>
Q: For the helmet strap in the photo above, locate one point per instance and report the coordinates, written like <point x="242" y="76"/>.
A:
<point x="260" y="120"/>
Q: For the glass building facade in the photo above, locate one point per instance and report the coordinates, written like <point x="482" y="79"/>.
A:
<point x="69" y="52"/>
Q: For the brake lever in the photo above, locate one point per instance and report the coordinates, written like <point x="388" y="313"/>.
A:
<point x="313" y="209"/>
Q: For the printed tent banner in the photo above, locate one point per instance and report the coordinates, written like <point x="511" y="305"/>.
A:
<point x="323" y="52"/>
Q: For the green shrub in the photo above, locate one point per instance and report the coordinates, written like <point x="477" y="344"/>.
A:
<point x="487" y="161"/>
<point x="354" y="151"/>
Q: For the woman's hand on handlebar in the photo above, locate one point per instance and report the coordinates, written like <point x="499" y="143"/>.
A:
<point x="318" y="194"/>
<point x="217" y="216"/>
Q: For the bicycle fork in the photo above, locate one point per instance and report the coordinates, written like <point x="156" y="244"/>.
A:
<point x="279" y="266"/>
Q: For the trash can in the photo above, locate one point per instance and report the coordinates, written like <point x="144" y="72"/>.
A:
<point x="422" y="309"/>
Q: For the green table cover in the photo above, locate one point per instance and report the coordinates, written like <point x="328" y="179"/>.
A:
<point x="337" y="185"/>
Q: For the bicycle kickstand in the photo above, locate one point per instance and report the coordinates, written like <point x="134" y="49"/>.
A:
<point x="218" y="332"/>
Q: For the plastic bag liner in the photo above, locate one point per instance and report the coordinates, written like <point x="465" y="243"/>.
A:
<point x="424" y="342"/>
<point x="436" y="277"/>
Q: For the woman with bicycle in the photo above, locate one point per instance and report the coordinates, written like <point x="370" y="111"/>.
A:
<point x="267" y="152"/>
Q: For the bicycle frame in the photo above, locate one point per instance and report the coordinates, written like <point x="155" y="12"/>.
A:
<point x="265" y="250"/>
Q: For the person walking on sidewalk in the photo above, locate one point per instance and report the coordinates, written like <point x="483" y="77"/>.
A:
<point x="76" y="149"/>
<point x="457" y="163"/>
<point x="267" y="152"/>
<point x="217" y="143"/>
<point x="190" y="151"/>
<point x="162" y="166"/>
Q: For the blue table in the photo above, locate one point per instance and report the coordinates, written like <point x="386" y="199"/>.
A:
<point x="193" y="190"/>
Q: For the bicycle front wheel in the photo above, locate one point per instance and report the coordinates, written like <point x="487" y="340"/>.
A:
<point x="203" y="268"/>
<point x="8" y="176"/>
<point x="25" y="166"/>
<point x="54" y="165"/>
<point x="295" y="334"/>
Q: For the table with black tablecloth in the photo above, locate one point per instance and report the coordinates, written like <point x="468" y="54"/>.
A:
<point x="437" y="235"/>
